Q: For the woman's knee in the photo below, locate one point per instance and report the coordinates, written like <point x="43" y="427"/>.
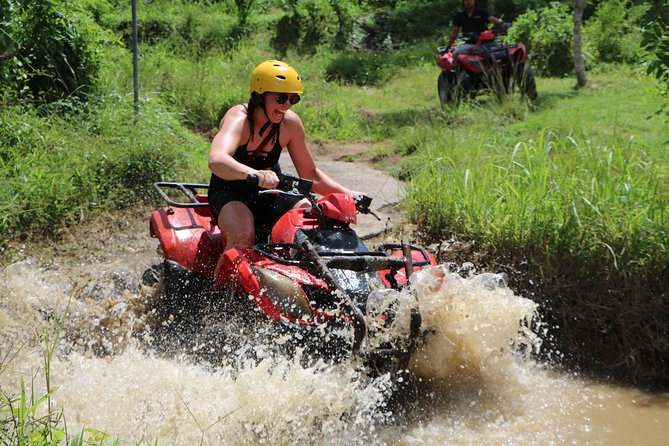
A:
<point x="237" y="225"/>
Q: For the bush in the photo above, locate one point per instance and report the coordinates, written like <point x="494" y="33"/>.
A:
<point x="187" y="29"/>
<point x="56" y="51"/>
<point x="547" y="33"/>
<point x="613" y="33"/>
<point x="656" y="44"/>
<point x="359" y="68"/>
<point x="412" y="21"/>
<point x="56" y="168"/>
<point x="309" y="24"/>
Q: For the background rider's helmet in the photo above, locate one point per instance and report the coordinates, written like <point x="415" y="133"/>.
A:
<point x="276" y="76"/>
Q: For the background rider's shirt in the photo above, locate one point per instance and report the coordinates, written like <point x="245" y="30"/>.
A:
<point x="477" y="23"/>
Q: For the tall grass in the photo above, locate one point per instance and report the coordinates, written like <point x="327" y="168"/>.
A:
<point x="26" y="418"/>
<point x="57" y="167"/>
<point x="553" y="191"/>
<point x="575" y="197"/>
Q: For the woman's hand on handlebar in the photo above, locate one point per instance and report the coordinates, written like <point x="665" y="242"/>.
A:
<point x="266" y="179"/>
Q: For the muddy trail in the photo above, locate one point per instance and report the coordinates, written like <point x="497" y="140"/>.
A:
<point x="120" y="369"/>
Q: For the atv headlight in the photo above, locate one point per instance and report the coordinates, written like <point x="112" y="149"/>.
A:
<point x="284" y="293"/>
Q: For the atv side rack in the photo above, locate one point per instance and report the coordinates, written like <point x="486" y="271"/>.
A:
<point x="190" y="190"/>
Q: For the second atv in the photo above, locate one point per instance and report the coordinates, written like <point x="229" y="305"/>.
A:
<point x="492" y="67"/>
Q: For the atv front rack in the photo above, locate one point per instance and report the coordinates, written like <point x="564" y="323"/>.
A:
<point x="294" y="254"/>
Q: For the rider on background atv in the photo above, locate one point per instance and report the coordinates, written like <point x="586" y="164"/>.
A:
<point x="250" y="139"/>
<point x="472" y="21"/>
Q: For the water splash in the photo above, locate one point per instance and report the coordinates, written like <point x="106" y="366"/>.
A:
<point x="474" y="324"/>
<point x="469" y="386"/>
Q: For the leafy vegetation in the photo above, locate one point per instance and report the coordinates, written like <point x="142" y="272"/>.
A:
<point x="655" y="40"/>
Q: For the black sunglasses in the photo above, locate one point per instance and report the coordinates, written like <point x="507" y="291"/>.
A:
<point x="283" y="97"/>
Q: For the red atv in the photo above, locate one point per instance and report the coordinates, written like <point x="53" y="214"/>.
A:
<point x="491" y="66"/>
<point x="311" y="278"/>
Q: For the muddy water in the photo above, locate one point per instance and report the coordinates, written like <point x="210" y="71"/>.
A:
<point x="471" y="384"/>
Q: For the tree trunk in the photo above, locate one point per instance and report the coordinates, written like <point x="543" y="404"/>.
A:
<point x="579" y="64"/>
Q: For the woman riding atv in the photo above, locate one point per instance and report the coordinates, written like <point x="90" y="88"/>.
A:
<point x="250" y="139"/>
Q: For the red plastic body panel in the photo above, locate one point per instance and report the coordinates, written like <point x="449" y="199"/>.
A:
<point x="336" y="206"/>
<point x="471" y="63"/>
<point x="284" y="230"/>
<point x="187" y="237"/>
<point x="339" y="207"/>
<point x="518" y="53"/>
<point x="417" y="256"/>
<point x="445" y="61"/>
<point x="236" y="271"/>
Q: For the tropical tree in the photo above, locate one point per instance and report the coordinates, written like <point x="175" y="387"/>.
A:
<point x="655" y="41"/>
<point x="579" y="64"/>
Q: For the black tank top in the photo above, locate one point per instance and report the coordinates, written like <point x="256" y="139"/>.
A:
<point x="256" y="159"/>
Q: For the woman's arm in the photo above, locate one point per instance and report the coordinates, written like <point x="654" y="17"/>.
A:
<point x="224" y="145"/>
<point x="231" y="135"/>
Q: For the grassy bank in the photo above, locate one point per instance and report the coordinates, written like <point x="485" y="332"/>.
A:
<point x="573" y="197"/>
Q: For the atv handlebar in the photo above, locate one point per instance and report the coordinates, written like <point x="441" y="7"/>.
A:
<point x="302" y="187"/>
<point x="287" y="183"/>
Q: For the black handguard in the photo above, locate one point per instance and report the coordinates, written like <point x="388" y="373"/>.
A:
<point x="362" y="203"/>
<point x="296" y="185"/>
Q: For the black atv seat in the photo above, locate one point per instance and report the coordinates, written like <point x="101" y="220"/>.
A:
<point x="495" y="52"/>
<point x="332" y="240"/>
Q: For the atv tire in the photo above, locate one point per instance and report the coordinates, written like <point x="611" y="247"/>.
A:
<point x="464" y="88"/>
<point x="445" y="84"/>
<point x="528" y="85"/>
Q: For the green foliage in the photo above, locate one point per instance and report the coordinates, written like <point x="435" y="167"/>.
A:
<point x="56" y="48"/>
<point x="309" y="24"/>
<point x="656" y="42"/>
<point x="547" y="33"/>
<point x="372" y="67"/>
<point x="56" y="168"/>
<point x="509" y="10"/>
<point x="359" y="68"/>
<point x="412" y="21"/>
<point x="612" y="34"/>
<point x="190" y="29"/>
<point x="243" y="10"/>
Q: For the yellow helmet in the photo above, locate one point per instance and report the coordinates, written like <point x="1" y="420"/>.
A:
<point x="277" y="76"/>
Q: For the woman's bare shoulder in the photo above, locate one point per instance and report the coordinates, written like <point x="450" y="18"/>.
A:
<point x="293" y="121"/>
<point x="235" y="113"/>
